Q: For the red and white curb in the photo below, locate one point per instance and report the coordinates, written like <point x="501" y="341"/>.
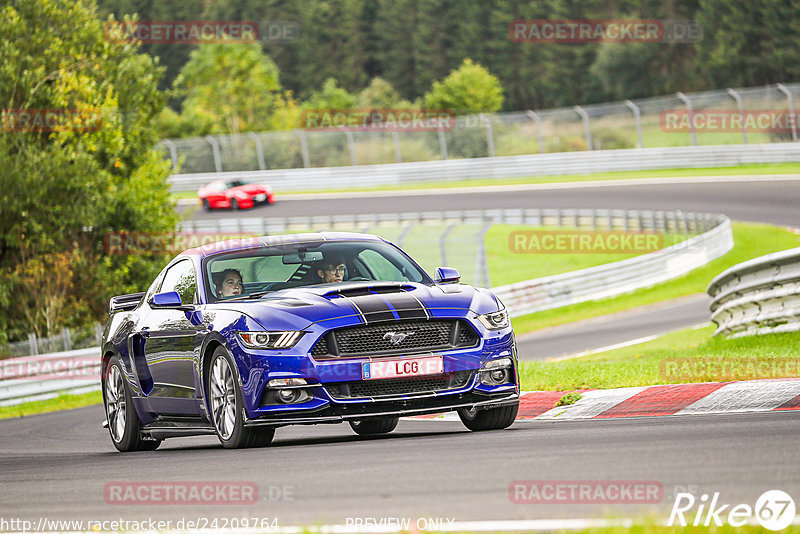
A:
<point x="648" y="401"/>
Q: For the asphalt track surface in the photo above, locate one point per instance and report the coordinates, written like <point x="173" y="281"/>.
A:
<point x="611" y="330"/>
<point x="776" y="202"/>
<point x="57" y="466"/>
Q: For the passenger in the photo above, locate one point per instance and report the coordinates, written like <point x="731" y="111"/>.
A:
<point x="228" y="282"/>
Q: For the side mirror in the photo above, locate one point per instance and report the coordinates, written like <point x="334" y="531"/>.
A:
<point x="446" y="275"/>
<point x="169" y="299"/>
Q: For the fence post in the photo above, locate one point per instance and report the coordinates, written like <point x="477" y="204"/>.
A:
<point x="738" y="99"/>
<point x="98" y="333"/>
<point x="489" y="135"/>
<point x="482" y="267"/>
<point x="442" y="142"/>
<point x="351" y="145"/>
<point x="532" y="115"/>
<point x="792" y="119"/>
<point x="66" y="337"/>
<point x="690" y="112"/>
<point x="443" y="242"/>
<point x="637" y="116"/>
<point x="587" y="132"/>
<point x="259" y="151"/>
<point x="173" y="153"/>
<point x="405" y="233"/>
<point x="34" y="350"/>
<point x="398" y="154"/>
<point x="303" y="147"/>
<point x="215" y="152"/>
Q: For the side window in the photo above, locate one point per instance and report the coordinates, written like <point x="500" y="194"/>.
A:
<point x="180" y="277"/>
<point x="381" y="267"/>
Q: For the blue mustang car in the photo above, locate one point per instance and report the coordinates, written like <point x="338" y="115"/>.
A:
<point x="240" y="337"/>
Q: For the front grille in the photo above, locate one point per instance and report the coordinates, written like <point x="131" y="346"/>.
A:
<point x="399" y="386"/>
<point x="411" y="335"/>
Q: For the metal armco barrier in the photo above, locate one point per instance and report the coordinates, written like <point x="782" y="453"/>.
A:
<point x="588" y="162"/>
<point x="41" y="377"/>
<point x="612" y="279"/>
<point x="759" y="296"/>
<point x="31" y="378"/>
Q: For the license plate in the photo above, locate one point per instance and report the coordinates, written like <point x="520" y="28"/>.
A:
<point x="429" y="365"/>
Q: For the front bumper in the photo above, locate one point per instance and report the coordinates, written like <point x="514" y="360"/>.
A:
<point x="337" y="413"/>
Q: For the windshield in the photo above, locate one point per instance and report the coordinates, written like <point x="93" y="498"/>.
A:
<point x="256" y="271"/>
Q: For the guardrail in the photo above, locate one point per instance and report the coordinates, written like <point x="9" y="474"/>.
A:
<point x="42" y="377"/>
<point x="612" y="279"/>
<point x="32" y="378"/>
<point x="758" y="296"/>
<point x="587" y="162"/>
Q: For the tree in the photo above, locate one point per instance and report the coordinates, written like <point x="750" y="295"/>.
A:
<point x="89" y="172"/>
<point x="469" y="89"/>
<point x="331" y="96"/>
<point x="380" y="94"/>
<point x="230" y="88"/>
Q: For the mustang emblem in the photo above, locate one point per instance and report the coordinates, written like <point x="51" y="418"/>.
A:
<point x="396" y="338"/>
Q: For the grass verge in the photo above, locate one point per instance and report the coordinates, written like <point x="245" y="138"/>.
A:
<point x="750" y="241"/>
<point x="770" y="168"/>
<point x="62" y="402"/>
<point x="682" y="357"/>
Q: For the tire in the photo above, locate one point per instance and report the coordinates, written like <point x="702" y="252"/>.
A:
<point x="234" y="204"/>
<point x="206" y="205"/>
<point x="374" y="425"/>
<point x="225" y="406"/>
<point x="490" y="419"/>
<point x="124" y="426"/>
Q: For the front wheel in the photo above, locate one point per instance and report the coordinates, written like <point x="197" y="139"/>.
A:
<point x="234" y="204"/>
<point x="489" y="419"/>
<point x="206" y="205"/>
<point x="225" y="403"/>
<point x="374" y="425"/>
<point x="123" y="422"/>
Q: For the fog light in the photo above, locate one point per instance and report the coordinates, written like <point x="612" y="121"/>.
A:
<point x="498" y="375"/>
<point x="288" y="396"/>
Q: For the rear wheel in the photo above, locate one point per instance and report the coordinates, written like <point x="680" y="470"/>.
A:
<point x="206" y="204"/>
<point x="374" y="425"/>
<point x="123" y="422"/>
<point x="489" y="419"/>
<point x="225" y="403"/>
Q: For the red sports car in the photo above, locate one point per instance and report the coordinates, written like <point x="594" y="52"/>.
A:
<point x="234" y="194"/>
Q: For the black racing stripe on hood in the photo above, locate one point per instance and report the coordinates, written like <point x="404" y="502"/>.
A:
<point x="406" y="306"/>
<point x="373" y="307"/>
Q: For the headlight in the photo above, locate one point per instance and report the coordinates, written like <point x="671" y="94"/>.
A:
<point x="270" y="340"/>
<point x="495" y="320"/>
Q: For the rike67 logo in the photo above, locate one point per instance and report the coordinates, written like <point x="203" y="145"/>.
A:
<point x="774" y="510"/>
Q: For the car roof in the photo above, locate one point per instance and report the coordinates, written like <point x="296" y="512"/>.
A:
<point x="232" y="245"/>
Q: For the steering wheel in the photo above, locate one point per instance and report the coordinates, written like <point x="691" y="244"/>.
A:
<point x="358" y="279"/>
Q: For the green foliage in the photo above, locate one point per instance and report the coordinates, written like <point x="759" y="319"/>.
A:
<point x="469" y="89"/>
<point x="230" y="88"/>
<point x="380" y="94"/>
<point x="62" y="190"/>
<point x="331" y="96"/>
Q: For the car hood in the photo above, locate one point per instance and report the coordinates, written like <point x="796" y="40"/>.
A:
<point x="358" y="302"/>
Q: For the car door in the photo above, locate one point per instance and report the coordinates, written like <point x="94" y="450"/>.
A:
<point x="172" y="344"/>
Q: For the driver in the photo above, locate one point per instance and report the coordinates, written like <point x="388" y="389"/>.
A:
<point x="228" y="282"/>
<point x="332" y="269"/>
